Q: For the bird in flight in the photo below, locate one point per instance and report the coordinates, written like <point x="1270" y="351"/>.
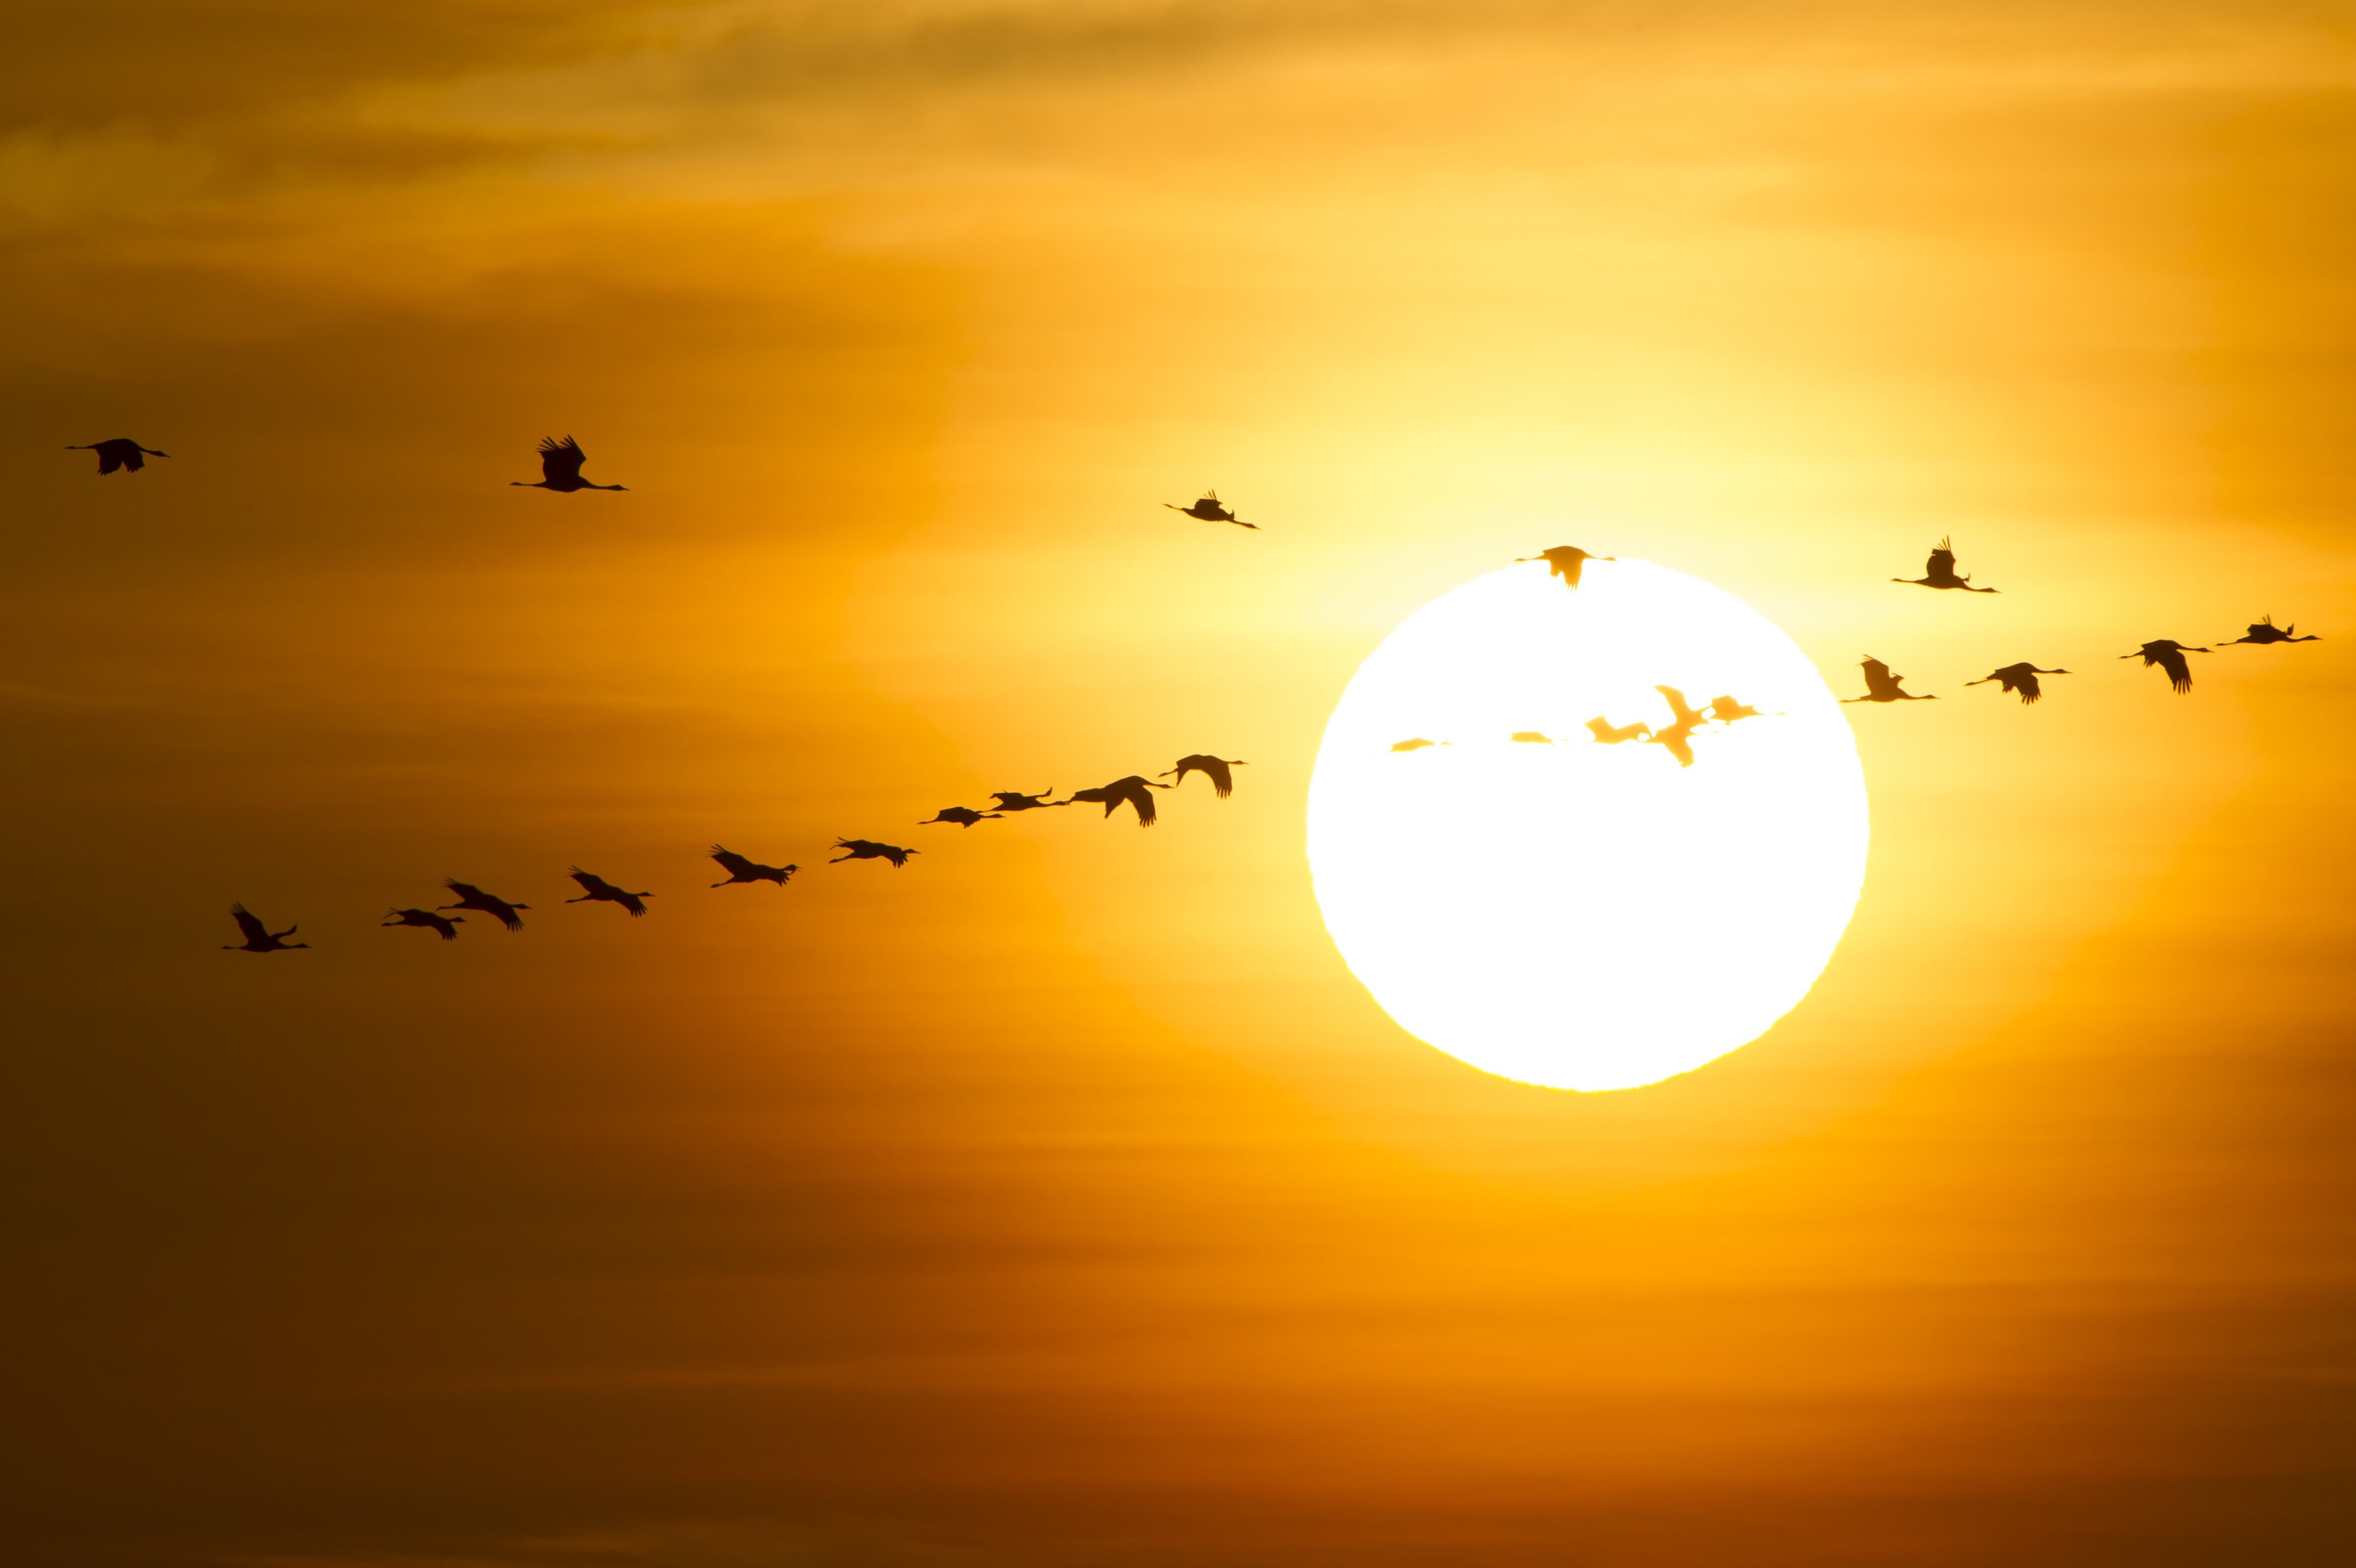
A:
<point x="1531" y="737"/>
<point x="1214" y="768"/>
<point x="598" y="890"/>
<point x="1133" y="790"/>
<point x="1016" y="801"/>
<point x="2264" y="630"/>
<point x="473" y="897"/>
<point x="1564" y="561"/>
<point x="868" y="849"/>
<point x="1941" y="572"/>
<point x="739" y="869"/>
<point x="2168" y="654"/>
<point x="560" y="469"/>
<point x="122" y="453"/>
<point x="258" y="936"/>
<point x="1600" y="727"/>
<point x="1726" y="710"/>
<point x="1679" y="737"/>
<point x="963" y="816"/>
<point x="447" y="923"/>
<point x="1417" y="743"/>
<point x="1209" y="509"/>
<point x="2020" y="677"/>
<point x="1881" y="686"/>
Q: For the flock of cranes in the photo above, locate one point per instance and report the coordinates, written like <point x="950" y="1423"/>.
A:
<point x="560" y="463"/>
<point x="1882" y="684"/>
<point x="2165" y="654"/>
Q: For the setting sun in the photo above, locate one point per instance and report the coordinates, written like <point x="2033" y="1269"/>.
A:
<point x="1568" y="910"/>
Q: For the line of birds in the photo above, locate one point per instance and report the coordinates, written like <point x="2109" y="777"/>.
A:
<point x="1675" y="737"/>
<point x="562" y="462"/>
<point x="1134" y="791"/>
<point x="2166" y="654"/>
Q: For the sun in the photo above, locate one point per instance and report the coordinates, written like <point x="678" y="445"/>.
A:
<point x="1570" y="911"/>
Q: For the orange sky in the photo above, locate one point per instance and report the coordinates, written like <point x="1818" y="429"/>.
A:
<point x="1061" y="1200"/>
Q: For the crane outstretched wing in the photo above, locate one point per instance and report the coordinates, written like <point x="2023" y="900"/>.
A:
<point x="560" y="461"/>
<point x="253" y="930"/>
<point x="732" y="862"/>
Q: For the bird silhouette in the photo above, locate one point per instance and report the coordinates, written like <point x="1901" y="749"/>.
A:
<point x="1564" y="561"/>
<point x="2020" y="677"/>
<point x="1941" y="572"/>
<point x="447" y="923"/>
<point x="1214" y="768"/>
<point x="1881" y="686"/>
<point x="2264" y="630"/>
<point x="868" y="849"/>
<point x="1531" y="737"/>
<point x="560" y="469"/>
<point x="1677" y="738"/>
<point x="2168" y="654"/>
<point x="124" y="452"/>
<point x="1016" y="801"/>
<point x="600" y="891"/>
<point x="963" y="816"/>
<point x="258" y="936"/>
<point x="1601" y="729"/>
<point x="1417" y="743"/>
<point x="1131" y="790"/>
<point x="473" y="897"/>
<point x="739" y="869"/>
<point x="1209" y="509"/>
<point x="1726" y="711"/>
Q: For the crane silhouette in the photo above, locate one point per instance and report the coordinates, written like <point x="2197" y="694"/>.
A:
<point x="1677" y="739"/>
<point x="1209" y="509"/>
<point x="1214" y="768"/>
<point x="1564" y="561"/>
<point x="1601" y="729"/>
<point x="1531" y="737"/>
<point x="258" y="936"/>
<point x="600" y="891"/>
<point x="123" y="453"/>
<point x="868" y="849"/>
<point x="1941" y="572"/>
<point x="963" y="816"/>
<point x="1417" y="743"/>
<point x="447" y="923"/>
<point x="740" y="869"/>
<point x="560" y="469"/>
<point x="1881" y="686"/>
<point x="2020" y="677"/>
<point x="1133" y="790"/>
<point x="1726" y="711"/>
<point x="2168" y="654"/>
<point x="473" y="897"/>
<point x="1016" y="801"/>
<point x="2264" y="630"/>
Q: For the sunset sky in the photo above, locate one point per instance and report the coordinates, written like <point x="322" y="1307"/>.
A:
<point x="1062" y="1200"/>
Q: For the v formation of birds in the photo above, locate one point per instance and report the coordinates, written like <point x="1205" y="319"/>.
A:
<point x="562" y="463"/>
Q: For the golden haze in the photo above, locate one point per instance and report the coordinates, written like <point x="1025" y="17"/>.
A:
<point x="1060" y="1199"/>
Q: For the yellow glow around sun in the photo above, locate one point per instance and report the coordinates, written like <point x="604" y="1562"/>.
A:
<point x="1582" y="915"/>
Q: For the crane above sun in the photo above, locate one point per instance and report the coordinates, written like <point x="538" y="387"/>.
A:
<point x="1588" y="915"/>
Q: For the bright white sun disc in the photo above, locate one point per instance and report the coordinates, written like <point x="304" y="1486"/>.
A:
<point x="1582" y="915"/>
